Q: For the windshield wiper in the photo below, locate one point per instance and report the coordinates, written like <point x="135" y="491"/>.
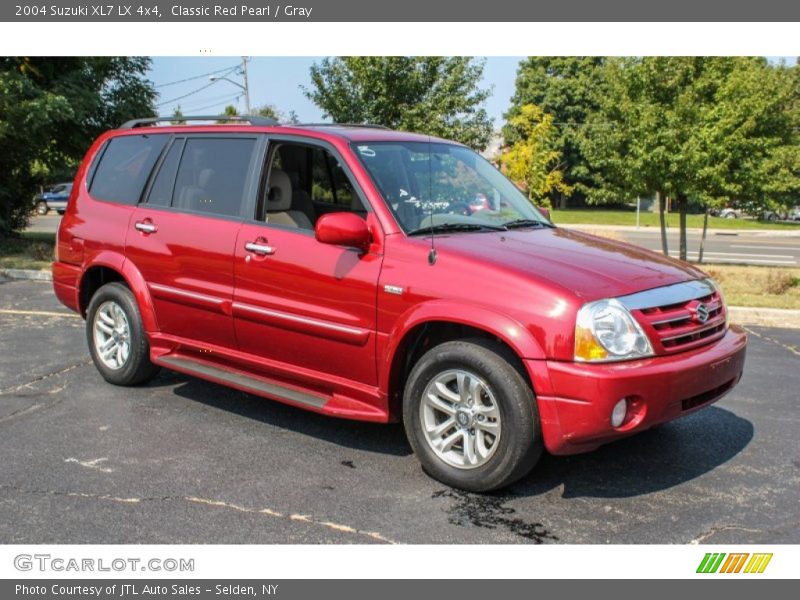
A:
<point x="445" y="227"/>
<point x="519" y="223"/>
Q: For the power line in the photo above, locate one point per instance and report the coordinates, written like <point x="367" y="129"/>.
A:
<point x="228" y="69"/>
<point x="218" y="103"/>
<point x="192" y="93"/>
<point x="210" y="99"/>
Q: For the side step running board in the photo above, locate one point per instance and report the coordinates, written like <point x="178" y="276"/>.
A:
<point x="241" y="381"/>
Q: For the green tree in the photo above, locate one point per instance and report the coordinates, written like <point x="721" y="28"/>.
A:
<point x="178" y="115"/>
<point x="533" y="159"/>
<point x="50" y="111"/>
<point x="708" y="129"/>
<point x="271" y="111"/>
<point x="569" y="88"/>
<point x="433" y="95"/>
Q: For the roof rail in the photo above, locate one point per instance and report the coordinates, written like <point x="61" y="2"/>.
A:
<point x="364" y="125"/>
<point x="255" y="121"/>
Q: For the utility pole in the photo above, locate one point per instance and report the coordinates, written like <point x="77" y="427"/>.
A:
<point x="242" y="70"/>
<point x="245" y="60"/>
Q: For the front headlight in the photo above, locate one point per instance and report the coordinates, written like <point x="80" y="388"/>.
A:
<point x="606" y="331"/>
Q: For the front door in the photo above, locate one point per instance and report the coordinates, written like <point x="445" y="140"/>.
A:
<point x="307" y="310"/>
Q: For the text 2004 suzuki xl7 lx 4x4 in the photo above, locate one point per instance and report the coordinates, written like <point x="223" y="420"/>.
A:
<point x="370" y="274"/>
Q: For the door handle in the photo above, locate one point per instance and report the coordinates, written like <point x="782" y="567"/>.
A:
<point x="146" y="227"/>
<point x="257" y="248"/>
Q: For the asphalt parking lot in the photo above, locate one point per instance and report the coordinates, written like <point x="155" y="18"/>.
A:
<point x="185" y="461"/>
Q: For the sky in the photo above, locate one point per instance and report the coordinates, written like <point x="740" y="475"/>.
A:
<point x="277" y="81"/>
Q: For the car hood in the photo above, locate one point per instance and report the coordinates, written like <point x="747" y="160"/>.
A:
<point x="589" y="266"/>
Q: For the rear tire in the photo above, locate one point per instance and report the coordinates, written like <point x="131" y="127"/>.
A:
<point x="471" y="416"/>
<point x="117" y="341"/>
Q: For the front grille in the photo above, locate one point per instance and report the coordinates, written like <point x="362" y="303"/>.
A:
<point x="680" y="317"/>
<point x="677" y="327"/>
<point x="705" y="397"/>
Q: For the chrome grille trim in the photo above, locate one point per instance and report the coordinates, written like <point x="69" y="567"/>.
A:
<point x="717" y="322"/>
<point x="683" y="317"/>
<point x="668" y="295"/>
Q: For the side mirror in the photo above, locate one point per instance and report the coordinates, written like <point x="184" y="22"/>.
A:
<point x="545" y="212"/>
<point x="343" y="229"/>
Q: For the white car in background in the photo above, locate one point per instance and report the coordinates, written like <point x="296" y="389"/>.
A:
<point x="730" y="213"/>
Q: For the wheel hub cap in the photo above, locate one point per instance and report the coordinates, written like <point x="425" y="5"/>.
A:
<point x="463" y="418"/>
<point x="460" y="418"/>
<point x="111" y="333"/>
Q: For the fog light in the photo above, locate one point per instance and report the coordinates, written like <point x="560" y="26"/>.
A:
<point x="619" y="412"/>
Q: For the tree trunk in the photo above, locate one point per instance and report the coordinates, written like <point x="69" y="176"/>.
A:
<point x="703" y="237"/>
<point x="662" y="204"/>
<point x="683" y="205"/>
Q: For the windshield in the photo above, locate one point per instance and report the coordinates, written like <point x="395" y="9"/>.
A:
<point x="438" y="185"/>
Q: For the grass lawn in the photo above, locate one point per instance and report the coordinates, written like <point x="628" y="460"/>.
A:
<point x="767" y="287"/>
<point x="649" y="219"/>
<point x="764" y="287"/>
<point x="29" y="251"/>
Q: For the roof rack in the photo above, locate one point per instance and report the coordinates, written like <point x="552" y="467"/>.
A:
<point x="255" y="121"/>
<point x="364" y="125"/>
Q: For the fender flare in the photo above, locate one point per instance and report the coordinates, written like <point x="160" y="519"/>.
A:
<point x="513" y="333"/>
<point x="132" y="277"/>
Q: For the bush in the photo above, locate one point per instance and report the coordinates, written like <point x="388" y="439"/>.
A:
<point x="780" y="282"/>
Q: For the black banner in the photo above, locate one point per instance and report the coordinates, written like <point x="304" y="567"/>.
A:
<point x="407" y="10"/>
<point x="463" y="589"/>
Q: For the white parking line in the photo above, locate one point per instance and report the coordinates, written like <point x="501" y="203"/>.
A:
<point x="767" y="246"/>
<point x="737" y="258"/>
<point x="756" y="260"/>
<point x="753" y="255"/>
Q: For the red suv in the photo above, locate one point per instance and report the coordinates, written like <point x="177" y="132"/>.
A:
<point x="343" y="269"/>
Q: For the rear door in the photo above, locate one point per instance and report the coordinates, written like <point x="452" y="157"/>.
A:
<point x="182" y="237"/>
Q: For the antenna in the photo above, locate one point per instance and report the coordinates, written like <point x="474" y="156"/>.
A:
<point x="432" y="253"/>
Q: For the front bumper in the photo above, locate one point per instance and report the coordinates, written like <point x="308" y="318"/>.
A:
<point x="575" y="400"/>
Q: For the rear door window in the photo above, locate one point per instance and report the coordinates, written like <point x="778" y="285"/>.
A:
<point x="213" y="175"/>
<point x="125" y="166"/>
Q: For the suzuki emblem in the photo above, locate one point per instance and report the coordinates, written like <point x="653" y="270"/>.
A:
<point x="701" y="313"/>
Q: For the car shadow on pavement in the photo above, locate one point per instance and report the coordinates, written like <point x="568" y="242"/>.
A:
<point x="648" y="462"/>
<point x="371" y="437"/>
<point x="651" y="461"/>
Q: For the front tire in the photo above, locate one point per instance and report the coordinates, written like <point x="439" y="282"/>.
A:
<point x="41" y="208"/>
<point x="471" y="416"/>
<point x="117" y="341"/>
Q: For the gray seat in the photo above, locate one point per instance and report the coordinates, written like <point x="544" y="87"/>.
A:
<point x="280" y="209"/>
<point x="191" y="197"/>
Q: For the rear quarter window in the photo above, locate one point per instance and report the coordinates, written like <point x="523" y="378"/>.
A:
<point x="124" y="167"/>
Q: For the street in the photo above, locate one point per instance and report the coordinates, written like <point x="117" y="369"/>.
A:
<point x="736" y="247"/>
<point x="184" y="461"/>
<point x="739" y="247"/>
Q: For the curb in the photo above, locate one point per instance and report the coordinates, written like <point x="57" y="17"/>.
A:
<point x="26" y="274"/>
<point x="766" y="317"/>
<point x="723" y="232"/>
